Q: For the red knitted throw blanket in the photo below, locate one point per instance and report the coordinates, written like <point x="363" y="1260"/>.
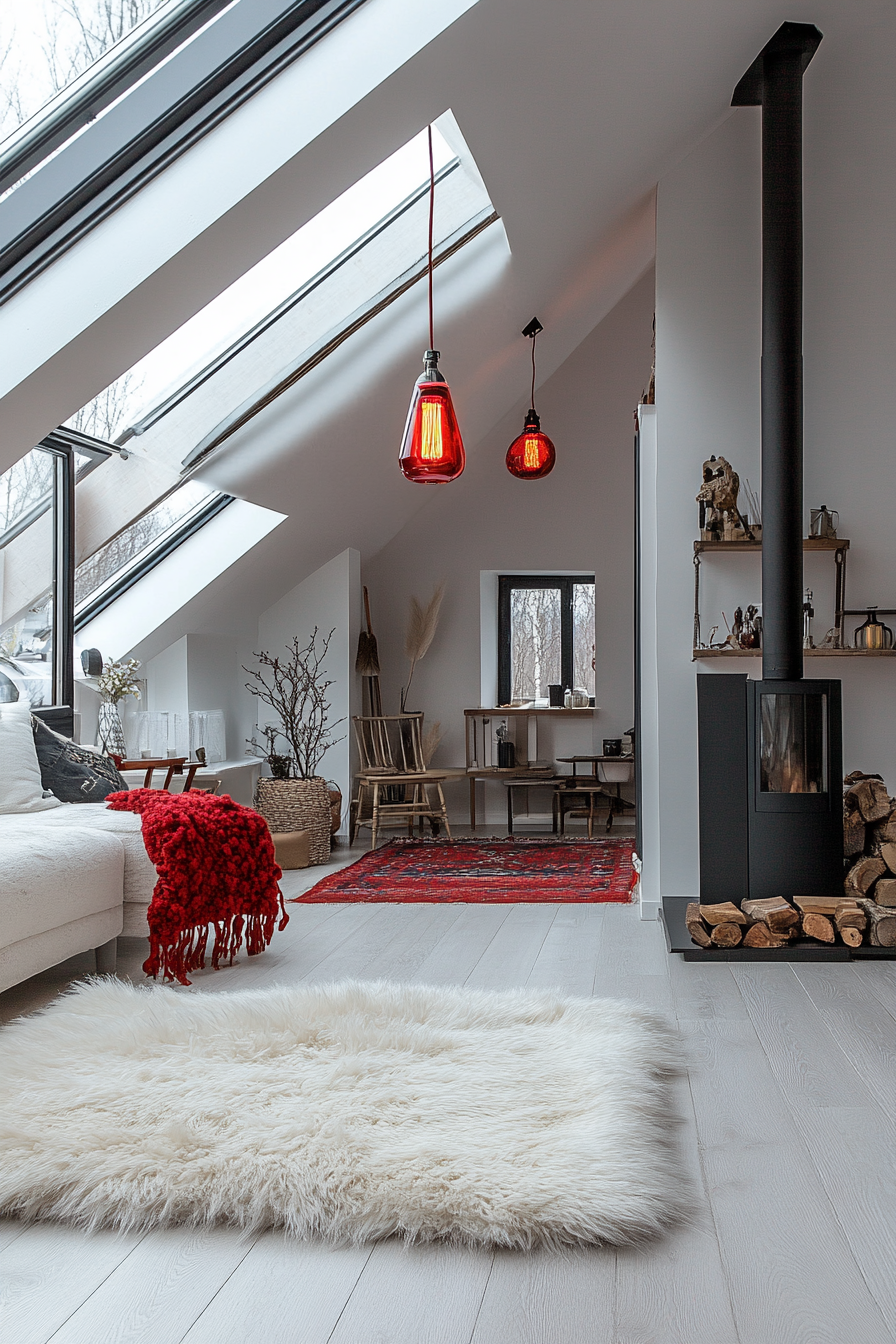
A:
<point x="216" y="866"/>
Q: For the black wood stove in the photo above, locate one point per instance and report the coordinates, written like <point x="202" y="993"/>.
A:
<point x="770" y="755"/>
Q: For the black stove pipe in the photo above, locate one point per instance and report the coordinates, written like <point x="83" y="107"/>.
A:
<point x="775" y="82"/>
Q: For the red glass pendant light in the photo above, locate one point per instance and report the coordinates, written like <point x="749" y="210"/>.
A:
<point x="432" y="450"/>
<point x="532" y="455"/>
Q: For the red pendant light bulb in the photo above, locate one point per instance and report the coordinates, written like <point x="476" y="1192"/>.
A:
<point x="432" y="450"/>
<point x="532" y="455"/>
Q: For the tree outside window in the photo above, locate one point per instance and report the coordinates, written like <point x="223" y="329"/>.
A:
<point x="545" y="635"/>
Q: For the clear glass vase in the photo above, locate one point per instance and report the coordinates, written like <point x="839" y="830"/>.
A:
<point x="110" y="730"/>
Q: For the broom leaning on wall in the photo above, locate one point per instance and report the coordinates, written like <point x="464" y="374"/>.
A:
<point x="367" y="664"/>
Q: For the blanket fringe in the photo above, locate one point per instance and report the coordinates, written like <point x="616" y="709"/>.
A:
<point x="175" y="960"/>
<point x="216" y="870"/>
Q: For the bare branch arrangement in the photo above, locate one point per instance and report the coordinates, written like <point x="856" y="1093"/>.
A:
<point x="422" y="625"/>
<point x="296" y="688"/>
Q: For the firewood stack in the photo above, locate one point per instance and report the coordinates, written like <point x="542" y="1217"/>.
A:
<point x="865" y="913"/>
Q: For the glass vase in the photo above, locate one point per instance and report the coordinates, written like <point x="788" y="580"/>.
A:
<point x="110" y="730"/>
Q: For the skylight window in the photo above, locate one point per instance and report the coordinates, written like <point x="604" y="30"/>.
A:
<point x="65" y="63"/>
<point x="281" y="318"/>
<point x="281" y="273"/>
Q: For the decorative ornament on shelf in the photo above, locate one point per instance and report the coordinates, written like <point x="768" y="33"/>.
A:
<point x="432" y="450"/>
<point x="720" y="518"/>
<point x="532" y="455"/>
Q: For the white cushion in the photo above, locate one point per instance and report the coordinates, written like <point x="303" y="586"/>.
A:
<point x="139" y="874"/>
<point x="50" y="877"/>
<point x="20" y="788"/>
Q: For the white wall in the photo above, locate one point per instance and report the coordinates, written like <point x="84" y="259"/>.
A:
<point x="329" y="599"/>
<point x="708" y="346"/>
<point x="580" y="518"/>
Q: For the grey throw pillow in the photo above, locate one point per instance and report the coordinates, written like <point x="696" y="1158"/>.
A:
<point x="72" y="773"/>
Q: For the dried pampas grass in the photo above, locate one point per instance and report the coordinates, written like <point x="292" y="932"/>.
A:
<point x="431" y="739"/>
<point x="422" y="625"/>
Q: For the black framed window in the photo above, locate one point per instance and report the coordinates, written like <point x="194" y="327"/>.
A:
<point x="37" y="498"/>
<point x="545" y="635"/>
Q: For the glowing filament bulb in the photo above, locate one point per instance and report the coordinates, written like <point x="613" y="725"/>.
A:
<point x="431" y="449"/>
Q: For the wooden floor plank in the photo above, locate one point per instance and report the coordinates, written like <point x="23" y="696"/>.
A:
<point x="854" y="1018"/>
<point x="51" y="1270"/>
<point x="383" y="935"/>
<point x="800" y="1048"/>
<point x="566" y="959"/>
<point x="879" y="978"/>
<point x="402" y="959"/>
<point x="629" y="945"/>
<point x="455" y="955"/>
<point x="162" y="1286"/>
<point x="791" y="1273"/>
<point x="853" y="1154"/>
<point x="415" y="1295"/>
<point x="545" y="1298"/>
<point x="283" y="1292"/>
<point x="674" y="1291"/>
<point x="508" y="960"/>
<point x="705" y="992"/>
<point x="10" y="1228"/>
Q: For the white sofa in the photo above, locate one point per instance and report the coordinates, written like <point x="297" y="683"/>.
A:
<point x="71" y="880"/>
<point x="73" y="876"/>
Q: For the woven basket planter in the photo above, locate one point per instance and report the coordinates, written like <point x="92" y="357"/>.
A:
<point x="297" y="805"/>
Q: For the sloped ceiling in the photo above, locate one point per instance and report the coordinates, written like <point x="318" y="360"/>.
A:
<point x="572" y="111"/>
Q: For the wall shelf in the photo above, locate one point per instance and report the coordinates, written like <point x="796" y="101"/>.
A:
<point x="809" y="544"/>
<point x="836" y="546"/>
<point x="807" y="653"/>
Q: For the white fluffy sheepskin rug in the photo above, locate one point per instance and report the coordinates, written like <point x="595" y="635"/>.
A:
<point x="349" y="1111"/>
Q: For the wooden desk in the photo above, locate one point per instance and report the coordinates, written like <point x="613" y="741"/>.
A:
<point x="522" y="772"/>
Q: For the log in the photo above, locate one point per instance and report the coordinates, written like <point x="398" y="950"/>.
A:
<point x="851" y="937"/>
<point x="696" y="927"/>
<point x="885" y="851"/>
<point x="881" y="924"/>
<point x="760" y="935"/>
<point x="728" y="934"/>
<point x="850" y="916"/>
<point x="863" y="875"/>
<point x="818" y="927"/>
<point x="774" y="911"/>
<point x="823" y="905"/>
<point x="860" y="774"/>
<point x="869" y="796"/>
<point x="724" y="913"/>
<point x="853" y="833"/>
<point x="885" y="829"/>
<point x="884" y="892"/>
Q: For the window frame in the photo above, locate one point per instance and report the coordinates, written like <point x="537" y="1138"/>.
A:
<point x="506" y="585"/>
<point x="178" y="104"/>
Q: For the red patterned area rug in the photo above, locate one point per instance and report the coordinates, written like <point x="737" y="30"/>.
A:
<point x="518" y="869"/>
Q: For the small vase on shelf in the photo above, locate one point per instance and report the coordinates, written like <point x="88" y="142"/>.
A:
<point x="110" y="730"/>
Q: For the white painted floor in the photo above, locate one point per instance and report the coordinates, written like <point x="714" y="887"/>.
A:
<point x="787" y="1117"/>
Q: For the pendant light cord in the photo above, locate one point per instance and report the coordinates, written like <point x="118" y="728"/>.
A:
<point x="432" y="206"/>
<point x="532" y="396"/>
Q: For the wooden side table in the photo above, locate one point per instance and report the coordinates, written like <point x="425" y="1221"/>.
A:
<point x="172" y="765"/>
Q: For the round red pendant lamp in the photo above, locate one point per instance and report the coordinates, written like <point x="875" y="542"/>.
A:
<point x="432" y="450"/>
<point x="532" y="455"/>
